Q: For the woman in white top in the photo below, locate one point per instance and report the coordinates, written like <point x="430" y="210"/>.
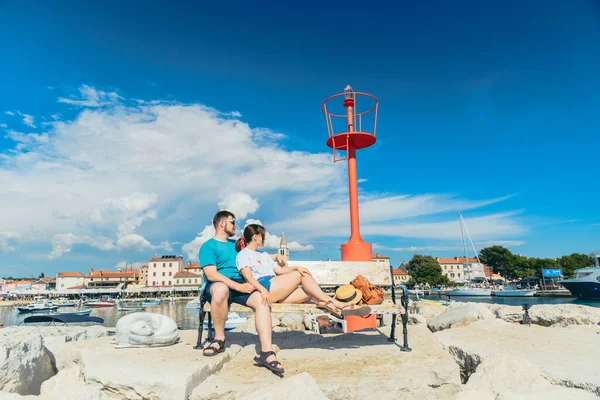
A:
<point x="280" y="283"/>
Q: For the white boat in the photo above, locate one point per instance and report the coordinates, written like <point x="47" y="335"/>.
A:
<point x="64" y="302"/>
<point x="586" y="284"/>
<point x="101" y="303"/>
<point x="40" y="304"/>
<point x="513" y="291"/>
<point x="470" y="292"/>
<point x="233" y="321"/>
<point x="193" y="303"/>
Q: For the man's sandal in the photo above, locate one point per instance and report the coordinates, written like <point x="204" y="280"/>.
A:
<point x="212" y="349"/>
<point x="274" y="366"/>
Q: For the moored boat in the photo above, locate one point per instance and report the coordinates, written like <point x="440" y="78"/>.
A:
<point x="474" y="291"/>
<point x="233" y="321"/>
<point x="41" y="304"/>
<point x="586" y="284"/>
<point x="100" y="303"/>
<point x="154" y="302"/>
<point x="513" y="291"/>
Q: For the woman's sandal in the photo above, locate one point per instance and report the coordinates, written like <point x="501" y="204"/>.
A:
<point x="213" y="350"/>
<point x="353" y="309"/>
<point x="274" y="366"/>
<point x="332" y="309"/>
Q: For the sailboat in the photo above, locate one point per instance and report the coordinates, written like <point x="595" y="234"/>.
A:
<point x="469" y="291"/>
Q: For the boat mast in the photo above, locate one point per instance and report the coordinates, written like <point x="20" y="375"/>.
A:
<point x="465" y="246"/>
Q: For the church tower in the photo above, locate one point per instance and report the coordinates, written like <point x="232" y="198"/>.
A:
<point x="283" y="248"/>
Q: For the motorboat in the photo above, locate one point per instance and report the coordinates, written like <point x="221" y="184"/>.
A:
<point x="193" y="303"/>
<point x="233" y="321"/>
<point x="154" y="302"/>
<point x="135" y="306"/>
<point x="586" y="284"/>
<point x="40" y="304"/>
<point x="64" y="302"/>
<point x="513" y="291"/>
<point x="470" y="291"/>
<point x="101" y="303"/>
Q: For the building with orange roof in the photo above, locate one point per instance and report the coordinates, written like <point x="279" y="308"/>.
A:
<point x="187" y="278"/>
<point x="144" y="275"/>
<point x="459" y="269"/>
<point x="401" y="277"/>
<point x="161" y="270"/>
<point x="107" y="278"/>
<point x="381" y="260"/>
<point x="65" y="280"/>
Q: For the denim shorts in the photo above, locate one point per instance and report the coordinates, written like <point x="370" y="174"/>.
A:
<point x="265" y="281"/>
<point x="234" y="295"/>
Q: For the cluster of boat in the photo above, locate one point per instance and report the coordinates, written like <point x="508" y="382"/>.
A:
<point x="44" y="305"/>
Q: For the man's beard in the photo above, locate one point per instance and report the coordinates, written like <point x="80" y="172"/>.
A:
<point x="230" y="233"/>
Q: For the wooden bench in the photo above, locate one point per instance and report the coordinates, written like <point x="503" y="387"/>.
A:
<point x="332" y="274"/>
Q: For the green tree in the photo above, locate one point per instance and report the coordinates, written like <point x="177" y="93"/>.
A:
<point x="575" y="261"/>
<point x="425" y="269"/>
<point x="41" y="276"/>
<point x="500" y="259"/>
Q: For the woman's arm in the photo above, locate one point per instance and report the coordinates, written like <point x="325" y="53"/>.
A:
<point x="264" y="293"/>
<point x="286" y="270"/>
<point x="247" y="274"/>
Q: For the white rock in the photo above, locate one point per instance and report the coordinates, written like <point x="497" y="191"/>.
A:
<point x="146" y="329"/>
<point x="505" y="357"/>
<point x="72" y="378"/>
<point x="292" y="321"/>
<point x="153" y="373"/>
<point x="459" y="315"/>
<point x="24" y="361"/>
<point x="360" y="365"/>
<point x="429" y="309"/>
<point x="556" y="315"/>
<point x="297" y="387"/>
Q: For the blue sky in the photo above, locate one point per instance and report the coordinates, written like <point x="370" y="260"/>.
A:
<point x="124" y="127"/>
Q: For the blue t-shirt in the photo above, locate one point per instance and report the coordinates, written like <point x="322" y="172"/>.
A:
<point x="222" y="255"/>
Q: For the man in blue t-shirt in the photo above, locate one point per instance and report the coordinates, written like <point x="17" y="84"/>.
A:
<point x="225" y="285"/>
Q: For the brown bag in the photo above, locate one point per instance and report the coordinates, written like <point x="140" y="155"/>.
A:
<point x="371" y="294"/>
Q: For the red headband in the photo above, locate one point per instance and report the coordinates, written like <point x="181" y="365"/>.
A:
<point x="242" y="242"/>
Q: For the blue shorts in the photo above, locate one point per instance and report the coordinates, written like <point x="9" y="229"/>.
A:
<point x="234" y="295"/>
<point x="265" y="281"/>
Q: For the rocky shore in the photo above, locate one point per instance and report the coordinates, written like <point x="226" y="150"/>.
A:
<point x="463" y="351"/>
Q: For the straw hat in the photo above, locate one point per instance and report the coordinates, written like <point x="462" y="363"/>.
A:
<point x="348" y="294"/>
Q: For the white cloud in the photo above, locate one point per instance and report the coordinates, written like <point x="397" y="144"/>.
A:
<point x="50" y="87"/>
<point x="130" y="265"/>
<point x="62" y="243"/>
<point x="192" y="248"/>
<point x="239" y="203"/>
<point x="3" y="126"/>
<point x="133" y="241"/>
<point x="28" y="120"/>
<point x="480" y="228"/>
<point x="273" y="241"/>
<point x="382" y="215"/>
<point x="123" y="174"/>
<point x="9" y="113"/>
<point x="458" y="249"/>
<point x="7" y="239"/>
<point x="92" y="97"/>
<point x="166" y="245"/>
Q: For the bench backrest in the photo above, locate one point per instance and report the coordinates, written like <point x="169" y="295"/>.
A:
<point x="342" y="272"/>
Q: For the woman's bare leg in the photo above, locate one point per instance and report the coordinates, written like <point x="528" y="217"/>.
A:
<point x="282" y="286"/>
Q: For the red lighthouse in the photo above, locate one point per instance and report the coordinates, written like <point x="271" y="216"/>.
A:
<point x="353" y="136"/>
